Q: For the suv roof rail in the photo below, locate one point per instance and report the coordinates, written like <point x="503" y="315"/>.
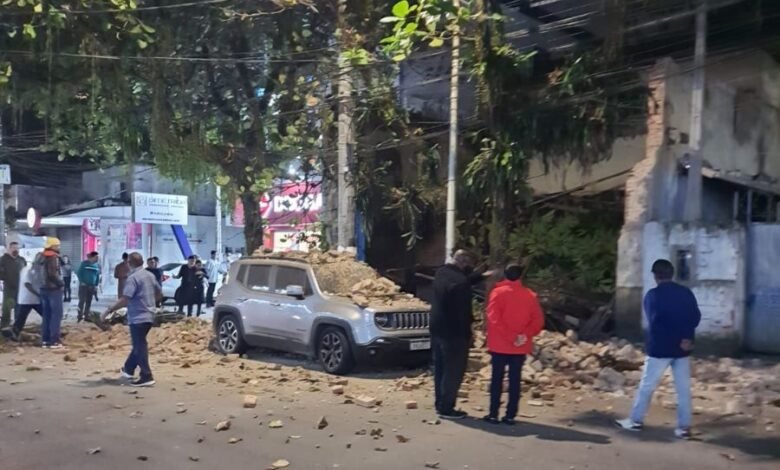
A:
<point x="275" y="258"/>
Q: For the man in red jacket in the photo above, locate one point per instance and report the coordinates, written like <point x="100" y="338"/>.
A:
<point x="514" y="317"/>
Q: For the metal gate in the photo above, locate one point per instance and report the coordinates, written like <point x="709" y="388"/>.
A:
<point x="762" y="333"/>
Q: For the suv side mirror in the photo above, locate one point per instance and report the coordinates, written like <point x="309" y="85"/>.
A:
<point x="295" y="291"/>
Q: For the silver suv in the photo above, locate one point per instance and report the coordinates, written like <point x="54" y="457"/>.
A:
<point x="279" y="303"/>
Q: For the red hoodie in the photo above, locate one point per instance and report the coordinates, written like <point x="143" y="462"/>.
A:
<point x="512" y="310"/>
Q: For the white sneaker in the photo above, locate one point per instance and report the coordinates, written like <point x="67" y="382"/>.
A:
<point x="682" y="433"/>
<point x="629" y="425"/>
<point x="125" y="375"/>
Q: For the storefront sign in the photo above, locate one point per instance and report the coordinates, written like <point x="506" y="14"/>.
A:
<point x="150" y="208"/>
<point x="286" y="205"/>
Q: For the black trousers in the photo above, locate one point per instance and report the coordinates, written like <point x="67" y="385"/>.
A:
<point x="66" y="290"/>
<point x="210" y="294"/>
<point x="500" y="363"/>
<point x="450" y="357"/>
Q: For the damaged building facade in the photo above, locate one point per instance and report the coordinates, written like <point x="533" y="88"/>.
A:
<point x="728" y="256"/>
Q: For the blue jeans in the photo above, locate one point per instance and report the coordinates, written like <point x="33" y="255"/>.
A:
<point x="51" y="306"/>
<point x="500" y="363"/>
<point x="651" y="376"/>
<point x="139" y="355"/>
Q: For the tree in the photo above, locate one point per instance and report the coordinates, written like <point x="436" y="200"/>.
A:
<point x="560" y="110"/>
<point x="208" y="90"/>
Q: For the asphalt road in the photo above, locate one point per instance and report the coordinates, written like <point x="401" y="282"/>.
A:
<point x="53" y="416"/>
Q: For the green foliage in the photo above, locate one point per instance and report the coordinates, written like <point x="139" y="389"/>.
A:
<point x="567" y="250"/>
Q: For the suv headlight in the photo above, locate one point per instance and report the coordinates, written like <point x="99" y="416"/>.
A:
<point x="381" y="319"/>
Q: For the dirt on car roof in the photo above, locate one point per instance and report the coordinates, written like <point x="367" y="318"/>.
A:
<point x="340" y="274"/>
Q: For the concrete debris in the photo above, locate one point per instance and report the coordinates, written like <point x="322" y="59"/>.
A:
<point x="234" y="440"/>
<point x="410" y="405"/>
<point x="222" y="426"/>
<point x="94" y="450"/>
<point x="322" y="423"/>
<point x="366" y="401"/>
<point x="434" y="465"/>
<point x="402" y="439"/>
<point x="339" y="273"/>
<point x="609" y="380"/>
<point x="337" y="389"/>
<point x="194" y="458"/>
<point x="276" y="424"/>
<point x="281" y="463"/>
<point x="250" y="401"/>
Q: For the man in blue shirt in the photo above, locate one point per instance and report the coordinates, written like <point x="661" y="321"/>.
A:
<point x="140" y="295"/>
<point x="672" y="317"/>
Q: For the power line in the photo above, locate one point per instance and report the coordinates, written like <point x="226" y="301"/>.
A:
<point x="124" y="10"/>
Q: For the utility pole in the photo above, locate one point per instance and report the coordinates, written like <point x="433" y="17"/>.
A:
<point x="452" y="160"/>
<point x="693" y="194"/>
<point x="346" y="197"/>
<point x="218" y="216"/>
<point x="2" y="189"/>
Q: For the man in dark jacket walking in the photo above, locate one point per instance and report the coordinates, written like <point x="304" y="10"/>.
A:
<point x="672" y="317"/>
<point x="11" y="265"/>
<point x="451" y="336"/>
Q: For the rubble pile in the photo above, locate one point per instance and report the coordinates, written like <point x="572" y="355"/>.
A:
<point x="563" y="361"/>
<point x="187" y="341"/>
<point x="340" y="274"/>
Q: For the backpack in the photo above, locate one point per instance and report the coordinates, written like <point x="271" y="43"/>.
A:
<point x="38" y="272"/>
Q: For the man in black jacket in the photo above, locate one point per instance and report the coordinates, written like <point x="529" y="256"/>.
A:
<point x="451" y="319"/>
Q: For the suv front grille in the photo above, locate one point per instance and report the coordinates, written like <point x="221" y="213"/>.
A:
<point x="409" y="321"/>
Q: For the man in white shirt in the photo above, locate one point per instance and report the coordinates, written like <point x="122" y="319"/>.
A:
<point x="27" y="300"/>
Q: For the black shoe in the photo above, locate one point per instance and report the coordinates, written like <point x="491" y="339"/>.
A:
<point x="509" y="421"/>
<point x="490" y="419"/>
<point x="454" y="414"/>
<point x="148" y="382"/>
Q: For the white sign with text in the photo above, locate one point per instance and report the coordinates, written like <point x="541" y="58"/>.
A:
<point x="150" y="208"/>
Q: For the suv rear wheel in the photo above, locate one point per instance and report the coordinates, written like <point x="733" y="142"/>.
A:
<point x="334" y="351"/>
<point x="229" y="337"/>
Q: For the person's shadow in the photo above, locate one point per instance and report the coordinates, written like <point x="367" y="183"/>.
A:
<point x="541" y="431"/>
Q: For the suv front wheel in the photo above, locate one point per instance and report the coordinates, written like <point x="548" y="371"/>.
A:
<point x="334" y="351"/>
<point x="229" y="337"/>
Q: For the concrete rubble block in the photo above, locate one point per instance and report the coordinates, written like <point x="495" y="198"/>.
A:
<point x="366" y="401"/>
<point x="250" y="401"/>
<point x="410" y="405"/>
<point x="609" y="380"/>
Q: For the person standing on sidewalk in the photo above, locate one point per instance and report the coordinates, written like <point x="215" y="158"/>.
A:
<point x="89" y="280"/>
<point x="121" y="272"/>
<point x="51" y="294"/>
<point x="141" y="294"/>
<point x="11" y="265"/>
<point x="451" y="336"/>
<point x="212" y="274"/>
<point x="514" y="317"/>
<point x="672" y="317"/>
